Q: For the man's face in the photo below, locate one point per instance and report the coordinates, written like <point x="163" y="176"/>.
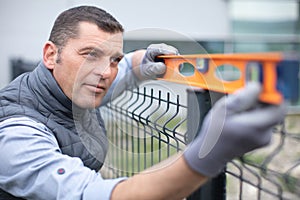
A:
<point x="88" y="65"/>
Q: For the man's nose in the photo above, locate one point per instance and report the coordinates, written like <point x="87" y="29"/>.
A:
<point x="104" y="70"/>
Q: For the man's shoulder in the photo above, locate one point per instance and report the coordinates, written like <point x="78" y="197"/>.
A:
<point x="23" y="121"/>
<point x="18" y="120"/>
<point x="25" y="127"/>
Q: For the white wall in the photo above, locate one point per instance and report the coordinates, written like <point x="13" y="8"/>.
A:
<point x="26" y="24"/>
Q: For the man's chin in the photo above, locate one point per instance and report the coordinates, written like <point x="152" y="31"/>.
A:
<point x="87" y="103"/>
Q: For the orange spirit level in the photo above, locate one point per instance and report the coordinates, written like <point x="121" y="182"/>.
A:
<point x="228" y="72"/>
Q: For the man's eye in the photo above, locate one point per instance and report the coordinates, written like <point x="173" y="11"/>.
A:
<point x="92" y="54"/>
<point x="116" y="60"/>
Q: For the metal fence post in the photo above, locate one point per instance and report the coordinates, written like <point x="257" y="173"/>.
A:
<point x="199" y="103"/>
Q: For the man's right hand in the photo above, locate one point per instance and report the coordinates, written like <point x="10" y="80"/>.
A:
<point x="235" y="125"/>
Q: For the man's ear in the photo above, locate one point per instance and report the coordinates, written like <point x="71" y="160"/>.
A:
<point x="50" y="54"/>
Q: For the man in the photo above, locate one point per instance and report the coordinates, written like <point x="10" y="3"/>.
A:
<point x="52" y="139"/>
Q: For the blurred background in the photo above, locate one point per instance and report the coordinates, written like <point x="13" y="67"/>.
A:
<point x="192" y="26"/>
<point x="215" y="26"/>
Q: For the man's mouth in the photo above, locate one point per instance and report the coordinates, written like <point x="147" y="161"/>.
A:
<point x="99" y="88"/>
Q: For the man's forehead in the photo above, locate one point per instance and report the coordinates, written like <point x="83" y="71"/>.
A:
<point x="87" y="29"/>
<point x="90" y="36"/>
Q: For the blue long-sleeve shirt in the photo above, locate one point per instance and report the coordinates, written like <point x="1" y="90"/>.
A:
<point x="32" y="165"/>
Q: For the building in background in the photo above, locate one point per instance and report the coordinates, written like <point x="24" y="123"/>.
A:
<point x="215" y="26"/>
<point x="265" y="25"/>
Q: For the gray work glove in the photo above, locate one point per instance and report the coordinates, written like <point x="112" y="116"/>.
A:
<point x="150" y="67"/>
<point x="235" y="125"/>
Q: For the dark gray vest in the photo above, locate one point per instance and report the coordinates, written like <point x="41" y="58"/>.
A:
<point x="79" y="132"/>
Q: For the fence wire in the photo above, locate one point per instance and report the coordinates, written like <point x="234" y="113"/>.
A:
<point x="149" y="124"/>
<point x="272" y="172"/>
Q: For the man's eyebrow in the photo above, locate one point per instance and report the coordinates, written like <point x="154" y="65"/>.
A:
<point x="93" y="49"/>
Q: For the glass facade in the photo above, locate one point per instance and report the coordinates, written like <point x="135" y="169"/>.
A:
<point x="265" y="25"/>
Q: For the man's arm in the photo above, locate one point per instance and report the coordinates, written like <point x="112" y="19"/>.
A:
<point x="173" y="180"/>
<point x="136" y="62"/>
<point x="33" y="167"/>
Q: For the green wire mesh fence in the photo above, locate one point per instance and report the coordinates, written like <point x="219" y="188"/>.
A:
<point x="144" y="126"/>
<point x="149" y="124"/>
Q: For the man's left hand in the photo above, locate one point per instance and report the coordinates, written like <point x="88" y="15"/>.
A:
<point x="150" y="68"/>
